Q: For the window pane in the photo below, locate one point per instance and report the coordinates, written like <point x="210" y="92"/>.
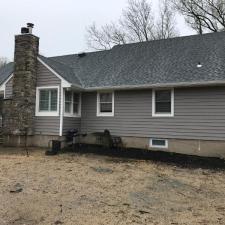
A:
<point x="68" y="101"/>
<point x="75" y="108"/>
<point x="76" y="97"/>
<point x="76" y="100"/>
<point x="105" y="107"/>
<point x="68" y="96"/>
<point x="48" y="100"/>
<point x="44" y="95"/>
<point x="158" y="142"/>
<point x="44" y="100"/>
<point x="43" y="106"/>
<point x="105" y="97"/>
<point x="163" y="101"/>
<point x="163" y="107"/>
<point x="163" y="96"/>
<point x="53" y="100"/>
<point x="68" y="107"/>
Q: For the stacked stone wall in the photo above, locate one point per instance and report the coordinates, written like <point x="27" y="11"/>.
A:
<point x="19" y="112"/>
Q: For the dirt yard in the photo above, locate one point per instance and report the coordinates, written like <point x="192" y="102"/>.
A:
<point x="88" y="189"/>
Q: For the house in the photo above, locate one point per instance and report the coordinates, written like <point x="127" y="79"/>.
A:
<point x="161" y="95"/>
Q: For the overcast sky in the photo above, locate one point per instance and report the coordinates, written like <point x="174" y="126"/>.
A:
<point x="60" y="24"/>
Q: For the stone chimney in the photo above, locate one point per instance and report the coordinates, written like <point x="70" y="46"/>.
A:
<point x="19" y="112"/>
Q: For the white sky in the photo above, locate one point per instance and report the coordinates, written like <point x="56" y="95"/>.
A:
<point x="60" y="24"/>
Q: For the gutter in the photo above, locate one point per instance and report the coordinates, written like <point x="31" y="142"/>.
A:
<point x="158" y="85"/>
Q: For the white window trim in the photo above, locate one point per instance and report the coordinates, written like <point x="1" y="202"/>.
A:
<point x="38" y="113"/>
<point x="154" y="114"/>
<point x="159" y="146"/>
<point x="79" y="107"/>
<point x="106" y="114"/>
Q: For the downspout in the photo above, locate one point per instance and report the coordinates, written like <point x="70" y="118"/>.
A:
<point x="61" y="111"/>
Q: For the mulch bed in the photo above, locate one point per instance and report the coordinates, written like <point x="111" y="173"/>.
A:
<point x="175" y="159"/>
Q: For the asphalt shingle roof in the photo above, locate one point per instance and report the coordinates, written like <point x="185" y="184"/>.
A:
<point x="170" y="61"/>
<point x="155" y="62"/>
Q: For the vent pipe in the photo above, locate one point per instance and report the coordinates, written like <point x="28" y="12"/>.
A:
<point x="30" y="26"/>
<point x="28" y="29"/>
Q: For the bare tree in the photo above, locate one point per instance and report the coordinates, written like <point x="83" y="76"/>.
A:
<point x="165" y="27"/>
<point x="137" y="24"/>
<point x="105" y="37"/>
<point x="3" y="61"/>
<point x="203" y="15"/>
<point x="138" y="21"/>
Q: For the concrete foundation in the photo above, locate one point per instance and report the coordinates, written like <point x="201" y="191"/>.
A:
<point x="32" y="141"/>
<point x="188" y="147"/>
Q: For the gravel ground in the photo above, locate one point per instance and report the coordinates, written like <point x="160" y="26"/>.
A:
<point x="90" y="189"/>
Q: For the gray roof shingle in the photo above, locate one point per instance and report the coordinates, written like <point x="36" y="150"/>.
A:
<point x="173" y="60"/>
<point x="160" y="62"/>
<point x="6" y="71"/>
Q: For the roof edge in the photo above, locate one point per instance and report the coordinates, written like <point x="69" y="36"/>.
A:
<point x="158" y="85"/>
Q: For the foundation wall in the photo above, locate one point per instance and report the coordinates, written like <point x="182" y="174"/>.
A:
<point x="32" y="141"/>
<point x="204" y="148"/>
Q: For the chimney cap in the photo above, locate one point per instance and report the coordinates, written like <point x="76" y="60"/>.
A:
<point x="31" y="25"/>
<point x="24" y="30"/>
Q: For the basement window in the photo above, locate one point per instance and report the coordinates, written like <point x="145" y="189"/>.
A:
<point x="47" y="101"/>
<point x="163" y="103"/>
<point x="105" y="104"/>
<point x="72" y="106"/>
<point x="158" y="143"/>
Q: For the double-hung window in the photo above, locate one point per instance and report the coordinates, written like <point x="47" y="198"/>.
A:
<point x="47" y="101"/>
<point x="72" y="103"/>
<point x="163" y="103"/>
<point x="105" y="104"/>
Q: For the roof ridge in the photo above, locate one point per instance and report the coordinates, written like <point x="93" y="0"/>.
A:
<point x="172" y="38"/>
<point x="76" y="54"/>
<point x="143" y="42"/>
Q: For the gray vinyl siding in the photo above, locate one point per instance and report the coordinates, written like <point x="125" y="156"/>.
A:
<point x="9" y="88"/>
<point x="199" y="114"/>
<point x="71" y="123"/>
<point x="47" y="125"/>
<point x="45" y="77"/>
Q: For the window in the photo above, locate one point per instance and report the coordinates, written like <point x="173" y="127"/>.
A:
<point x="105" y="104"/>
<point x="47" y="101"/>
<point x="72" y="104"/>
<point x="163" y="103"/>
<point x="158" y="143"/>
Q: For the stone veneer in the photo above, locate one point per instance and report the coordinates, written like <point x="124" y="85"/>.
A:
<point x="19" y="112"/>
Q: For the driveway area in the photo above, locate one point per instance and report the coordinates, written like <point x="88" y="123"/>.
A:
<point x="89" y="189"/>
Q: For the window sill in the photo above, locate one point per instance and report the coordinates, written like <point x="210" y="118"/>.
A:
<point x="105" y="115"/>
<point x="162" y="115"/>
<point x="72" y="115"/>
<point x="158" y="147"/>
<point x="53" y="114"/>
